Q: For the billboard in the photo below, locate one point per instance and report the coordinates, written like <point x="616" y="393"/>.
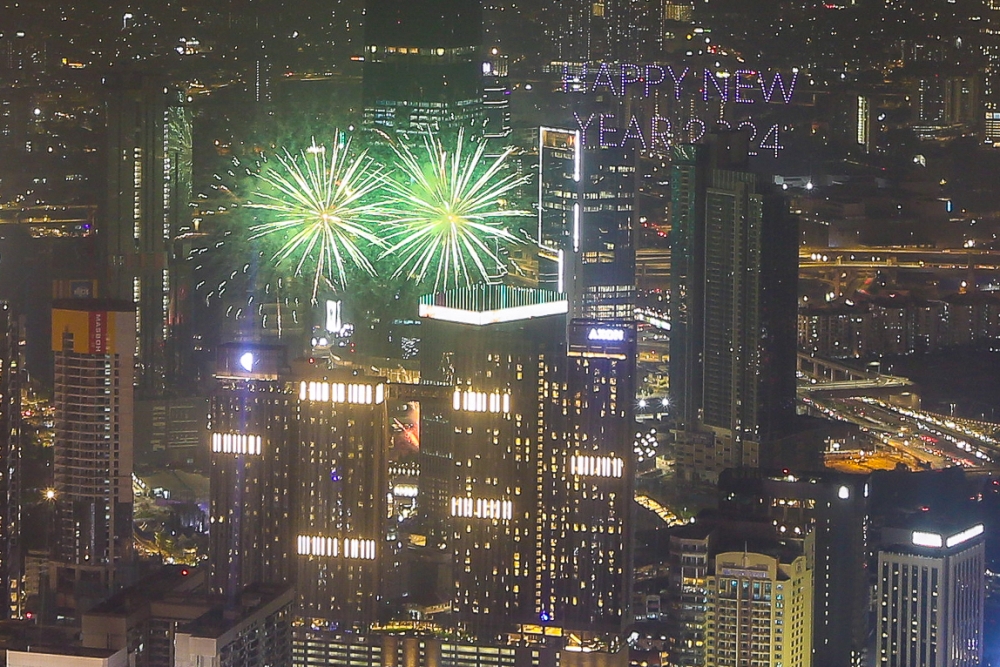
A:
<point x="88" y="331"/>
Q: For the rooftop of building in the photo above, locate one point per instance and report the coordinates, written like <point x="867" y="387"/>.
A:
<point x="224" y="617"/>
<point x="740" y="476"/>
<point x="929" y="532"/>
<point x="114" y="305"/>
<point x="782" y="550"/>
<point x="18" y="634"/>
<point x="66" y="650"/>
<point x="692" y="531"/>
<point x="491" y="304"/>
<point x="170" y="580"/>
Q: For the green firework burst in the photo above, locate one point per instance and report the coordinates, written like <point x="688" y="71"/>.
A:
<point x="448" y="209"/>
<point x="323" y="212"/>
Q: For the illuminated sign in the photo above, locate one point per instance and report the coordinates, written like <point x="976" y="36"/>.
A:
<point x="743" y="573"/>
<point x="481" y="318"/>
<point x="744" y="87"/>
<point x="922" y="539"/>
<point x="964" y="536"/>
<point x="741" y="86"/>
<point x="236" y="443"/>
<point x="341" y="392"/>
<point x="353" y="548"/>
<point x="937" y="541"/>
<point x="98" y="332"/>
<point x="603" y="334"/>
<point x="482" y="508"/>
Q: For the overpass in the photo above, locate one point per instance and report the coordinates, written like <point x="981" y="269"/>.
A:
<point x="824" y="377"/>
<point x="844" y="268"/>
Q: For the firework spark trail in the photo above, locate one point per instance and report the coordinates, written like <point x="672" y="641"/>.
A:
<point x="449" y="210"/>
<point x="323" y="204"/>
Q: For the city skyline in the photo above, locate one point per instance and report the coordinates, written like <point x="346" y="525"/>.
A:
<point x="520" y="333"/>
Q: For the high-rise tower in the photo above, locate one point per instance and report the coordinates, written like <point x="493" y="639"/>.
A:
<point x="930" y="595"/>
<point x="253" y="449"/>
<point x="585" y="223"/>
<point x="422" y="65"/>
<point x="486" y="455"/>
<point x="93" y="342"/>
<point x="732" y="308"/>
<point x="340" y="509"/>
<point x="146" y="207"/>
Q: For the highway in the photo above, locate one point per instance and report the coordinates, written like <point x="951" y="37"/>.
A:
<point x="929" y="438"/>
<point x="900" y="258"/>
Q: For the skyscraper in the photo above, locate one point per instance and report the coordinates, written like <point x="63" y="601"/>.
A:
<point x="537" y="460"/>
<point x="253" y="450"/>
<point x="422" y="65"/>
<point x="93" y="342"/>
<point x="759" y="609"/>
<point x="931" y="588"/>
<point x="592" y="502"/>
<point x="833" y="508"/>
<point x="299" y="489"/>
<point x="486" y="456"/>
<point x="11" y="558"/>
<point x="732" y="308"/>
<point x="340" y="509"/>
<point x="585" y="223"/>
<point x="146" y="207"/>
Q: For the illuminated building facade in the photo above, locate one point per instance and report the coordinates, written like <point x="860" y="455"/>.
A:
<point x="732" y="310"/>
<point x="483" y="454"/>
<point x="678" y="11"/>
<point x="146" y="207"/>
<point x="586" y="207"/>
<point x="690" y="561"/>
<point x="93" y="344"/>
<point x="594" y="407"/>
<point x="833" y="508"/>
<point x="930" y="596"/>
<point x="253" y="450"/>
<point x="585" y="222"/>
<point x="340" y="498"/>
<point x="590" y="437"/>
<point x="422" y="65"/>
<point x="560" y="202"/>
<point x="759" y="610"/>
<point x="600" y="276"/>
<point x="300" y="489"/>
<point x="537" y="458"/>
<point x="11" y="558"/>
<point x="496" y="95"/>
